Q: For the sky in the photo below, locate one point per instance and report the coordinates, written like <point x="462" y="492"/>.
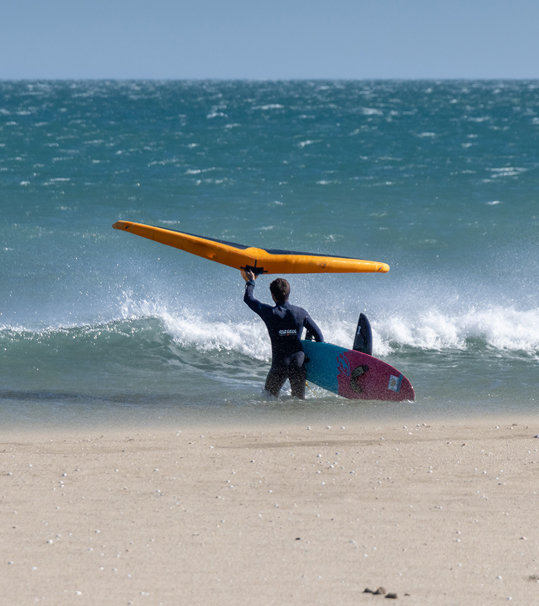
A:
<point x="270" y="39"/>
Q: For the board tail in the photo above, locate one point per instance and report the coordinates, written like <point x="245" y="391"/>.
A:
<point x="363" y="338"/>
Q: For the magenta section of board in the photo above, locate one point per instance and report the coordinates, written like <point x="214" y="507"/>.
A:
<point x="361" y="376"/>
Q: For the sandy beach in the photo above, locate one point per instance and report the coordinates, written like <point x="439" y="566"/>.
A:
<point x="433" y="513"/>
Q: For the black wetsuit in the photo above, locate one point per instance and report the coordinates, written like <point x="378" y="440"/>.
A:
<point x="285" y="324"/>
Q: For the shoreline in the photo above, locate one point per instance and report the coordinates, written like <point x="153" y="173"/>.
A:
<point x="285" y="412"/>
<point x="444" y="512"/>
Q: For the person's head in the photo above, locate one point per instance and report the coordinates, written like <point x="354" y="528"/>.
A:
<point x="280" y="289"/>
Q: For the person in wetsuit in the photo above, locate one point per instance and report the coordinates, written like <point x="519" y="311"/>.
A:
<point x="285" y="324"/>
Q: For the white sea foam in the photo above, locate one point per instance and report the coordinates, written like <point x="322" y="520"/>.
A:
<point x="371" y="111"/>
<point x="503" y="329"/>
<point x="499" y="328"/>
<point x="198" y="171"/>
<point x="247" y="338"/>
<point x="269" y="106"/>
<point x="216" y="114"/>
<point x="507" y="171"/>
<point x="191" y="328"/>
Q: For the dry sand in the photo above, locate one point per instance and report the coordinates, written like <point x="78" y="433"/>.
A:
<point x="438" y="514"/>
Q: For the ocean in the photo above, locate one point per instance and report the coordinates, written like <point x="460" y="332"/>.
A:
<point x="440" y="179"/>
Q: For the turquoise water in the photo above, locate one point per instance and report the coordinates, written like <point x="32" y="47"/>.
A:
<point x="438" y="179"/>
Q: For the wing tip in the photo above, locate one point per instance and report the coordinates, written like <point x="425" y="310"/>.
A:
<point x="122" y="225"/>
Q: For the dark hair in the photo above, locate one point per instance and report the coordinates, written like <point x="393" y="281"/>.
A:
<point x="280" y="289"/>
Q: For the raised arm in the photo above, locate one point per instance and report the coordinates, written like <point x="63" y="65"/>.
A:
<point x="248" y="297"/>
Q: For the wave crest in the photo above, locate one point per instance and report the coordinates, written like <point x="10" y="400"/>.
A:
<point x="503" y="329"/>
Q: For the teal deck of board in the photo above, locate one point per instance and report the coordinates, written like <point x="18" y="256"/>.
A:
<point x="322" y="367"/>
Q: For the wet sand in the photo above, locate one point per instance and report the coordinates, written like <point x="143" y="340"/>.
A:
<point x="434" y="513"/>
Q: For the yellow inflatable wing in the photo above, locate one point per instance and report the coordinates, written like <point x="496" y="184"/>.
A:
<point x="257" y="260"/>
